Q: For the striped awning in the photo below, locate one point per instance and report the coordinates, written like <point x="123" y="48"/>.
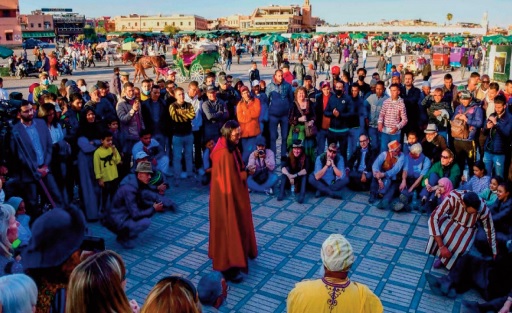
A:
<point x="37" y="34"/>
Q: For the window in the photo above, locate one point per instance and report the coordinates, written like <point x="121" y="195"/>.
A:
<point x="143" y="24"/>
<point x="165" y="23"/>
<point x="129" y="24"/>
<point x="189" y="23"/>
<point x="135" y="24"/>
<point x="173" y="24"/>
<point x="8" y="36"/>
<point x="31" y="25"/>
<point x="157" y="23"/>
<point x="39" y="25"/>
<point x="181" y="23"/>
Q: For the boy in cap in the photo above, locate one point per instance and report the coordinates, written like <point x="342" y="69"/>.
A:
<point x="334" y="292"/>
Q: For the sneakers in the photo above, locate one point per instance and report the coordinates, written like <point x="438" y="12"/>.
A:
<point x="269" y="191"/>
<point x="372" y="199"/>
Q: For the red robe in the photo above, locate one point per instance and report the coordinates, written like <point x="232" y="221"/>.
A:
<point x="232" y="237"/>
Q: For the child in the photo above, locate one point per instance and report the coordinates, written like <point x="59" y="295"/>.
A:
<point x="206" y="171"/>
<point x="157" y="156"/>
<point x="117" y="138"/>
<point x="254" y="73"/>
<point x="24" y="233"/>
<point x="105" y="159"/>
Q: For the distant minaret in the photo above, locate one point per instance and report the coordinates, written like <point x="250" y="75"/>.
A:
<point x="485" y="21"/>
<point x="306" y="14"/>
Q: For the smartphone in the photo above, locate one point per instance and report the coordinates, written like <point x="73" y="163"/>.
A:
<point x="91" y="243"/>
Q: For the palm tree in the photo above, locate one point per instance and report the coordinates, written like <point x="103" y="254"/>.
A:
<point x="449" y="17"/>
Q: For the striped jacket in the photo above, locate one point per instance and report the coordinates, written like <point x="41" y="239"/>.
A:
<point x="181" y="118"/>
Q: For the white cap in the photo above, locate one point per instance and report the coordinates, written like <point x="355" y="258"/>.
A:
<point x="337" y="253"/>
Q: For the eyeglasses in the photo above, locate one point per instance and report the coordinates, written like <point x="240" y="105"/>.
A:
<point x="485" y="82"/>
<point x="445" y="156"/>
<point x="361" y="141"/>
<point x="332" y="151"/>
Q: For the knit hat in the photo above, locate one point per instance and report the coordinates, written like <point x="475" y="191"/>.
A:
<point x="335" y="70"/>
<point x="255" y="83"/>
<point x="70" y="83"/>
<point x="56" y="235"/>
<point x="395" y="74"/>
<point x="425" y="83"/>
<point x="141" y="155"/>
<point x="209" y="288"/>
<point x="337" y="253"/>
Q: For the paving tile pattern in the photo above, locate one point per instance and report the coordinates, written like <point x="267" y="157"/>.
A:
<point x="389" y="250"/>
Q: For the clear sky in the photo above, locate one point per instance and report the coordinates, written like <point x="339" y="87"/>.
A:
<point x="333" y="11"/>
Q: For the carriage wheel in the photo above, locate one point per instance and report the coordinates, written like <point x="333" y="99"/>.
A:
<point x="180" y="78"/>
<point x="197" y="73"/>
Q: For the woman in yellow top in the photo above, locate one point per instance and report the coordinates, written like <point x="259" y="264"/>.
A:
<point x="248" y="114"/>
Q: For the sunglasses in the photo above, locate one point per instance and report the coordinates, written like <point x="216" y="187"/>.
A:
<point x="445" y="157"/>
<point x="177" y="279"/>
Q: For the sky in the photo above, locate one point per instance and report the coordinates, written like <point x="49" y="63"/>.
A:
<point x="333" y="11"/>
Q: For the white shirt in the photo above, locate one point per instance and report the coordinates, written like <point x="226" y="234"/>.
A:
<point x="4" y="95"/>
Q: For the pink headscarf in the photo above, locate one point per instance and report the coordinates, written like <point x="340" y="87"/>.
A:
<point x="448" y="186"/>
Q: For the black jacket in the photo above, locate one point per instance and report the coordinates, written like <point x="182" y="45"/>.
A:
<point x="369" y="158"/>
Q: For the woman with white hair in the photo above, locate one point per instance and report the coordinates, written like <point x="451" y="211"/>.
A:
<point x="416" y="166"/>
<point x="19" y="294"/>
<point x="8" y="234"/>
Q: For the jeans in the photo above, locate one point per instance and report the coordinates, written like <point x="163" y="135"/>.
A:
<point x="299" y="181"/>
<point x="328" y="189"/>
<point x="496" y="161"/>
<point x="271" y="181"/>
<point x="320" y="138"/>
<point x="374" y="135"/>
<point x="283" y="122"/>
<point x="228" y="64"/>
<point x="387" y="138"/>
<point x="248" y="146"/>
<point x="182" y="144"/>
<point x="353" y="141"/>
<point x="388" y="192"/>
<point x="465" y="151"/>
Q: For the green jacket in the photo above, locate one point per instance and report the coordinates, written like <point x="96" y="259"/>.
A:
<point x="452" y="173"/>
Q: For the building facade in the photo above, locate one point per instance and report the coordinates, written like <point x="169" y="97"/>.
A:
<point x="10" y="24"/>
<point x="37" y="25"/>
<point x="69" y="24"/>
<point x="144" y="23"/>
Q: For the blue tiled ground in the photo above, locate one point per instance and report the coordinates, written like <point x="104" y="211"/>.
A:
<point x="389" y="248"/>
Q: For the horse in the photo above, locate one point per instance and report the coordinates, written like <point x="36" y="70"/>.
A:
<point x="143" y="62"/>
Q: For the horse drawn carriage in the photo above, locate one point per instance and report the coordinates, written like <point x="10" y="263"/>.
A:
<point x="195" y="60"/>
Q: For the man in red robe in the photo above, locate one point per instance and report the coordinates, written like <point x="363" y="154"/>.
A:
<point x="232" y="237"/>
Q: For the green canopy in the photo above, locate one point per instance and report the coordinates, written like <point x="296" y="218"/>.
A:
<point x="404" y="36"/>
<point x="455" y="39"/>
<point x="275" y="37"/>
<point x="358" y="36"/>
<point x="5" y="52"/>
<point x="492" y="38"/>
<point x="129" y="39"/>
<point x="296" y="36"/>
<point x="379" y="37"/>
<point x="416" y="40"/>
<point x="257" y="34"/>
<point x="186" y="32"/>
<point x="501" y="40"/>
<point x="37" y="34"/>
<point x="126" y="34"/>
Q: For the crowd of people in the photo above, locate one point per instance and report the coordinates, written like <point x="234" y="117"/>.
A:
<point x="114" y="149"/>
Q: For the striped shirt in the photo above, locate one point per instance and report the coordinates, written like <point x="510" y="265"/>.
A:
<point x="457" y="227"/>
<point x="392" y="114"/>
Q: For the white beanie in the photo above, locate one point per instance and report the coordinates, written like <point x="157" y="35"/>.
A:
<point x="337" y="254"/>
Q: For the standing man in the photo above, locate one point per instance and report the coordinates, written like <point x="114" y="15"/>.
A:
<point x="299" y="71"/>
<point x="392" y="118"/>
<point x="156" y="119"/>
<point x="323" y="100"/>
<point x="381" y="66"/>
<point x="115" y="82"/>
<point x="411" y="97"/>
<point x="232" y="237"/>
<point x="192" y="97"/>
<point x="373" y="105"/>
<point x="281" y="99"/>
<point x="31" y="144"/>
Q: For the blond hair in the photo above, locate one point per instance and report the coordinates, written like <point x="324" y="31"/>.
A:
<point x="96" y="285"/>
<point x="172" y="294"/>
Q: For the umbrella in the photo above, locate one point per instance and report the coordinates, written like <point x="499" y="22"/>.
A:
<point x="358" y="36"/>
<point x="5" y="52"/>
<point x="127" y="46"/>
<point x="415" y="40"/>
<point x="102" y="45"/>
<point x="264" y="42"/>
<point x="129" y="39"/>
<point x="486" y="39"/>
<point x="379" y="37"/>
<point x="453" y="39"/>
<point x="125" y="34"/>
<point x="501" y="40"/>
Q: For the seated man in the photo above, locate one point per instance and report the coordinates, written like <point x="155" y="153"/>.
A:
<point x="334" y="292"/>
<point x="453" y="226"/>
<point x="433" y="144"/>
<point x="359" y="166"/>
<point x="156" y="154"/>
<point x="385" y="174"/>
<point x="416" y="166"/>
<point x="263" y="160"/>
<point x="130" y="213"/>
<point x="329" y="176"/>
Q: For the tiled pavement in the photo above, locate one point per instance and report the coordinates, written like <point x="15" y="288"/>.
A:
<point x="389" y="249"/>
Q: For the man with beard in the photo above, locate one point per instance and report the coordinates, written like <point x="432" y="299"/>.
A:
<point x="227" y="94"/>
<point x="31" y="143"/>
<point x="232" y="237"/>
<point x="411" y="96"/>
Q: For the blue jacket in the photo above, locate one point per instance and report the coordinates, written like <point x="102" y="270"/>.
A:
<point x="280" y="98"/>
<point x="347" y="113"/>
<point x="498" y="141"/>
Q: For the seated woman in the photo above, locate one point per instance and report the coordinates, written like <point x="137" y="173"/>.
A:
<point x="442" y="189"/>
<point x="263" y="160"/>
<point x="480" y="180"/>
<point x="501" y="212"/>
<point x="489" y="194"/>
<point x="444" y="168"/>
<point x="172" y="294"/>
<point x="97" y="285"/>
<point x="19" y="294"/>
<point x="295" y="172"/>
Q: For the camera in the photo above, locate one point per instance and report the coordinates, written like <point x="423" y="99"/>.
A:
<point x="261" y="152"/>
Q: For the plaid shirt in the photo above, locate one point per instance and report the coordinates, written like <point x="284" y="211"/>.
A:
<point x="393" y="114"/>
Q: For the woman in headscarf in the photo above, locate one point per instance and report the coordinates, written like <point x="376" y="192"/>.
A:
<point x="89" y="133"/>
